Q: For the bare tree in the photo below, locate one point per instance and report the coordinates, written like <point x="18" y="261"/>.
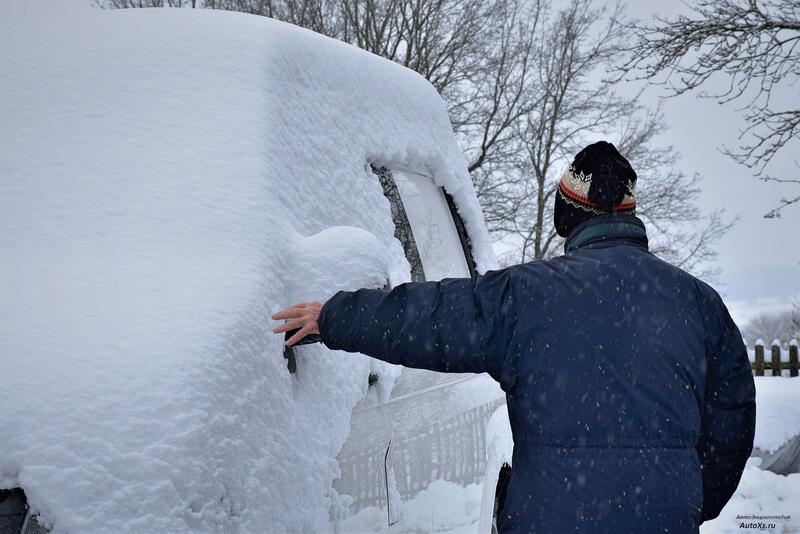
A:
<point x="782" y="325"/>
<point x="486" y="112"/>
<point x="756" y="44"/>
<point x="796" y="320"/>
<point x="679" y="232"/>
<point x="119" y="4"/>
<point x="571" y="109"/>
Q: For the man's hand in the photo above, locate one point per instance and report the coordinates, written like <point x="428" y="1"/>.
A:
<point x="303" y="316"/>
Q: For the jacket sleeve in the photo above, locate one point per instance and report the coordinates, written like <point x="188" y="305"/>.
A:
<point x="729" y="411"/>
<point x="455" y="325"/>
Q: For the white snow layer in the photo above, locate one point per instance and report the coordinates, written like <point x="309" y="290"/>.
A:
<point x="169" y="179"/>
<point x="777" y="413"/>
<point x="499" y="451"/>
<point x="762" y="498"/>
<point x="443" y="507"/>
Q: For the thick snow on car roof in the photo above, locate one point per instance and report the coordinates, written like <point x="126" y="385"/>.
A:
<point x="170" y="178"/>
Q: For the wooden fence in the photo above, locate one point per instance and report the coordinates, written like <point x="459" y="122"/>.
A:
<point x="776" y="363"/>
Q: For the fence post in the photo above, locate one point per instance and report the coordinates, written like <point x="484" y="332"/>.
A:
<point x="759" y="357"/>
<point x="793" y="364"/>
<point x="776" y="358"/>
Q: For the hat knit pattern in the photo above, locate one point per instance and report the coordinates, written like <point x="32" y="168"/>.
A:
<point x="599" y="185"/>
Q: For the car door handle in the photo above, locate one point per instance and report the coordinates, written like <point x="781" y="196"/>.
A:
<point x="310" y="338"/>
<point x="288" y="352"/>
<point x="315" y="338"/>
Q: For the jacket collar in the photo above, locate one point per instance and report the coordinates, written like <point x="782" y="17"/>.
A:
<point x="605" y="227"/>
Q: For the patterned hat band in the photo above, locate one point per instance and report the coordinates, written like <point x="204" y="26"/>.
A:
<point x="574" y="190"/>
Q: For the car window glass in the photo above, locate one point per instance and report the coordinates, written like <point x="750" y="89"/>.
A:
<point x="435" y="232"/>
<point x="402" y="228"/>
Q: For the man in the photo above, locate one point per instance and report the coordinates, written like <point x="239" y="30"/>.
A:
<point x="629" y="389"/>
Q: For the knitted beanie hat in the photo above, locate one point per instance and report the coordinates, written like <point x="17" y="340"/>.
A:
<point x="599" y="181"/>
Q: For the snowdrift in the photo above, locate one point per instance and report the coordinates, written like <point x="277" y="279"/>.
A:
<point x="168" y="179"/>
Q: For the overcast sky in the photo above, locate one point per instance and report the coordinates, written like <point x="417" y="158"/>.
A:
<point x="760" y="258"/>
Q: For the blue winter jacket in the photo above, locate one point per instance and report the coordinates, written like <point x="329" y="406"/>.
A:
<point x="629" y="390"/>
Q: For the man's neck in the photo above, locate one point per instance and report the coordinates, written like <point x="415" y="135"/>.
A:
<point x="607" y="227"/>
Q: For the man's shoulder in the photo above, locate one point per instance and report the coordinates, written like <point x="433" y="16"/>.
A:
<point x="705" y="292"/>
<point x="544" y="268"/>
<point x="707" y="296"/>
<point x="712" y="308"/>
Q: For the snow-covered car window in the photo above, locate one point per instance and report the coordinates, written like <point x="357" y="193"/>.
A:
<point x="437" y="226"/>
<point x="438" y="242"/>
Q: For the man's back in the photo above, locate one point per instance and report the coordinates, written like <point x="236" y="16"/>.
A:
<point x="609" y="358"/>
<point x="629" y="390"/>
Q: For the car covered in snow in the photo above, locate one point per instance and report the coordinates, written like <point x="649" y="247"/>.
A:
<point x="168" y="180"/>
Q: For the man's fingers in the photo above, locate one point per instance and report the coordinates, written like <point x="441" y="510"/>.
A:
<point x="288" y="313"/>
<point x="289" y="325"/>
<point x="299" y="316"/>
<point x="292" y="311"/>
<point x="298" y="336"/>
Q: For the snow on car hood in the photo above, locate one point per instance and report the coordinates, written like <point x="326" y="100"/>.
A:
<point x="168" y="179"/>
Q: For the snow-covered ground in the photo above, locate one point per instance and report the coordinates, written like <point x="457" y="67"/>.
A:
<point x="777" y="411"/>
<point x="170" y="178"/>
<point x="762" y="492"/>
<point x="443" y="507"/>
<point x="760" y="497"/>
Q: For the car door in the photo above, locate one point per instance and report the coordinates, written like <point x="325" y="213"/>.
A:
<point x="428" y="437"/>
<point x="439" y="420"/>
